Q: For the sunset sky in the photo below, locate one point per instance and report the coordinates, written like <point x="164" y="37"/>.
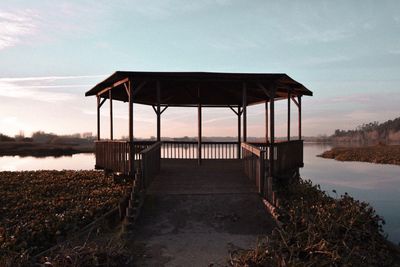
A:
<point x="52" y="52"/>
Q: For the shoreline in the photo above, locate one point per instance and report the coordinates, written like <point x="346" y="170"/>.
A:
<point x="40" y="150"/>
<point x="380" y="154"/>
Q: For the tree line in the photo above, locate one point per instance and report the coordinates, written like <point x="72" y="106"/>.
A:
<point x="387" y="131"/>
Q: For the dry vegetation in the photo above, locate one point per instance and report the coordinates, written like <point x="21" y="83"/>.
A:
<point x="318" y="230"/>
<point x="384" y="154"/>
<point x="40" y="208"/>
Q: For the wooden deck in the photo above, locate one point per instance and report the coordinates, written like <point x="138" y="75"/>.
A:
<point x="211" y="177"/>
<point x="195" y="215"/>
<point x="261" y="163"/>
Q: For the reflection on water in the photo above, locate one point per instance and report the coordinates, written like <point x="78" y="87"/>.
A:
<point x="374" y="183"/>
<point x="74" y="162"/>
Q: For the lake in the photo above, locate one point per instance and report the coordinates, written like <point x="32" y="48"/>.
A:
<point x="377" y="184"/>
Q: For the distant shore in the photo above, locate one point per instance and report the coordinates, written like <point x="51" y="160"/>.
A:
<point x="382" y="154"/>
<point x="25" y="149"/>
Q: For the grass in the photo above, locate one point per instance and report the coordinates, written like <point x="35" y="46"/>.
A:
<point x="318" y="230"/>
<point x="383" y="154"/>
<point x="40" y="208"/>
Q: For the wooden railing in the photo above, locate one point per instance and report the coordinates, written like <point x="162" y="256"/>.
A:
<point x="150" y="163"/>
<point x="189" y="150"/>
<point x="261" y="146"/>
<point x="113" y="155"/>
<point x="140" y="146"/>
<point x="255" y="165"/>
<point x="288" y="156"/>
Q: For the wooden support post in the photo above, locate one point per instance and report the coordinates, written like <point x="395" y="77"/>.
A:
<point x="288" y="115"/>
<point x="158" y="112"/>
<point x="111" y="115"/>
<point x="98" y="117"/>
<point x="266" y="122"/>
<point x="199" y="133"/>
<point x="239" y="114"/>
<point x="299" y="101"/>
<point x="272" y="133"/>
<point x="244" y="113"/>
<point x="131" y="145"/>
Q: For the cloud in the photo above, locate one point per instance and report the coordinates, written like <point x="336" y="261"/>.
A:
<point x="43" y="88"/>
<point x="13" y="123"/>
<point x="233" y="43"/>
<point x="50" y="78"/>
<point x="312" y="61"/>
<point x="167" y="8"/>
<point x="14" y="26"/>
<point x="15" y="91"/>
<point x="307" y="34"/>
<point x="394" y="51"/>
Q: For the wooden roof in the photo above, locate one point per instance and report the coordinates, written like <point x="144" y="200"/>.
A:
<point x="192" y="88"/>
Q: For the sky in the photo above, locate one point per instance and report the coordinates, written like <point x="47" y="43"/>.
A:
<point x="52" y="52"/>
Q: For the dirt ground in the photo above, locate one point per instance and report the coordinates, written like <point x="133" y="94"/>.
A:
<point x="197" y="230"/>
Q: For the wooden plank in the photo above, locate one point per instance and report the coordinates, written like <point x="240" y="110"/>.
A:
<point x="120" y="82"/>
<point x="244" y="105"/>
<point x="266" y="92"/>
<point x="127" y="89"/>
<point x="102" y="102"/>
<point x="131" y="144"/>
<point x="256" y="151"/>
<point x="111" y="115"/>
<point x="158" y="112"/>
<point x="288" y="116"/>
<point x="112" y="86"/>
<point x="199" y="133"/>
<point x="272" y="134"/>
<point x="234" y="111"/>
<point x="165" y="107"/>
<point x="98" y="117"/>
<point x="295" y="101"/>
<point x="239" y="132"/>
<point x="299" y="107"/>
<point x="139" y="88"/>
<point x="266" y="121"/>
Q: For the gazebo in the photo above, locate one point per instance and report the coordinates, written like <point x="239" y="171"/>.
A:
<point x="236" y="91"/>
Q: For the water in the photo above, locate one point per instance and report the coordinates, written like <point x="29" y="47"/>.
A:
<point x="374" y="183"/>
<point x="75" y="162"/>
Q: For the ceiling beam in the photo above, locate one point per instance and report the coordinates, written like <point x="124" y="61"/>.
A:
<point x="102" y="102"/>
<point x="139" y="87"/>
<point x="295" y="101"/>
<point x="164" y="109"/>
<point x="112" y="86"/>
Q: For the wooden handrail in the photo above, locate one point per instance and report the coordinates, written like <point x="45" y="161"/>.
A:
<point x="150" y="163"/>
<point x="253" y="149"/>
<point x="254" y="164"/>
<point x="203" y="142"/>
<point x="151" y="148"/>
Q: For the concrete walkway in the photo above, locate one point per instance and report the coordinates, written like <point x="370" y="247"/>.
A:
<point x="195" y="215"/>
